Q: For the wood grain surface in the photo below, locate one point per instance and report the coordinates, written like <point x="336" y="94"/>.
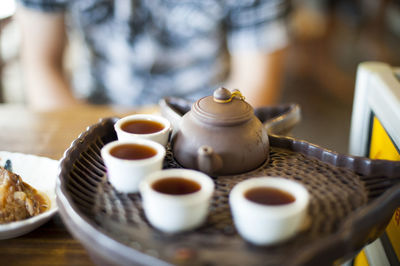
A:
<point x="48" y="134"/>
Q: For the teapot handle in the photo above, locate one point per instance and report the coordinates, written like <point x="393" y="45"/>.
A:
<point x="279" y="120"/>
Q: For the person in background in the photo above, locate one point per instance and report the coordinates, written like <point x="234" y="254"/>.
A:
<point x="138" y="52"/>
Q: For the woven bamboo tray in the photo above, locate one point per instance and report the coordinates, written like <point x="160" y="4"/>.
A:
<point x="352" y="200"/>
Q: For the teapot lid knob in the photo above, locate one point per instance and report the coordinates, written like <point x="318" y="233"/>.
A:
<point x="223" y="95"/>
<point x="224" y="107"/>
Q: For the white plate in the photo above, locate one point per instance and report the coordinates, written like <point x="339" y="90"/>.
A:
<point x="41" y="174"/>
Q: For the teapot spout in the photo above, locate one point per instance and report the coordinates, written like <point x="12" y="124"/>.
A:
<point x="208" y="161"/>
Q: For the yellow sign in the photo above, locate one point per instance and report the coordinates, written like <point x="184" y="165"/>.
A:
<point x="382" y="147"/>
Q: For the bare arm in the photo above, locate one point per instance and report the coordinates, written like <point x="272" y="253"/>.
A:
<point x="257" y="76"/>
<point x="43" y="43"/>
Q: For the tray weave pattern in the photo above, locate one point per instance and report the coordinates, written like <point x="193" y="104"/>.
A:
<point x="336" y="192"/>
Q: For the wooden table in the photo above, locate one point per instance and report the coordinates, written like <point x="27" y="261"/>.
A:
<point x="47" y="134"/>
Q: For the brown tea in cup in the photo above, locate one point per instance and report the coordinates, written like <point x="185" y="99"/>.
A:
<point x="269" y="196"/>
<point x="142" y="126"/>
<point x="176" y="186"/>
<point x="132" y="151"/>
<point x="176" y="200"/>
<point x="145" y="126"/>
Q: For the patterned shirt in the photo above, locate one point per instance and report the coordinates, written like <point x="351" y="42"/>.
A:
<point x="141" y="51"/>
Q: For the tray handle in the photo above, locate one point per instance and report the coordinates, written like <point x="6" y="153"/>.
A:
<point x="277" y="120"/>
<point x="365" y="226"/>
<point x="280" y="119"/>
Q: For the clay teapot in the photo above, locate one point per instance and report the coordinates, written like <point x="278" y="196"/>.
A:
<point x="220" y="135"/>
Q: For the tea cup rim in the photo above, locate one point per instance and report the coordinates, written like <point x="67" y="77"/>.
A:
<point x="149" y="117"/>
<point x="106" y="154"/>
<point x="296" y="189"/>
<point x="206" y="191"/>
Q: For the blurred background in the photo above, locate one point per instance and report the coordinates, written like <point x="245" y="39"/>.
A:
<point x="329" y="39"/>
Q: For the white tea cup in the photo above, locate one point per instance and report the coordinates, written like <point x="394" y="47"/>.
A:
<point x="268" y="210"/>
<point x="148" y="126"/>
<point x="176" y="200"/>
<point x="128" y="162"/>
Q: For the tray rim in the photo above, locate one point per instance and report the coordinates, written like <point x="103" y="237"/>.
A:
<point x="344" y="241"/>
<point x="80" y="224"/>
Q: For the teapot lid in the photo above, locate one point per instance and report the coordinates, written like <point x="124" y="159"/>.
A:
<point x="224" y="107"/>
